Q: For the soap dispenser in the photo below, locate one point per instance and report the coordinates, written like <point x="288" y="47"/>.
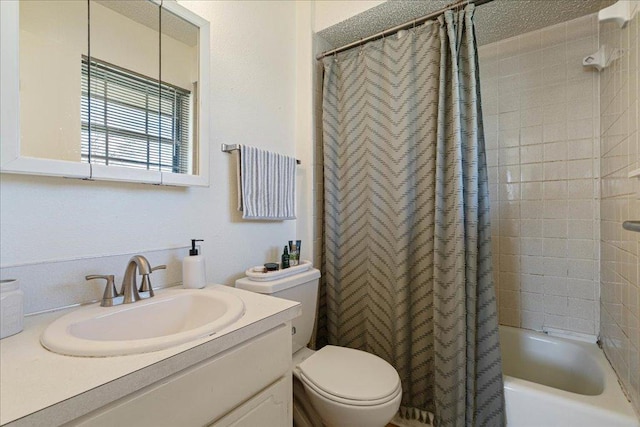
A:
<point x="193" y="268"/>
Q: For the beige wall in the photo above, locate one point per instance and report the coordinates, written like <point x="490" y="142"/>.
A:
<point x="620" y="249"/>
<point x="540" y="110"/>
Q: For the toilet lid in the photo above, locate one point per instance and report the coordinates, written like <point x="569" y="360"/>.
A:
<point x="350" y="374"/>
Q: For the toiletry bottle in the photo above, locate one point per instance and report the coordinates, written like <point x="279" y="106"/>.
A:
<point x="285" y="259"/>
<point x="193" y="268"/>
<point x="293" y="254"/>
<point x="11" y="308"/>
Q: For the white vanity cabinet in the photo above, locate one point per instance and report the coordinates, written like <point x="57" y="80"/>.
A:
<point x="270" y="407"/>
<point x="247" y="385"/>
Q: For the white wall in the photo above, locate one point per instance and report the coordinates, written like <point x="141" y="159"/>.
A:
<point x="253" y="101"/>
<point x="305" y="182"/>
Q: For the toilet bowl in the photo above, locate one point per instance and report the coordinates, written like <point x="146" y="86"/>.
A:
<point x="349" y="387"/>
<point x="341" y="387"/>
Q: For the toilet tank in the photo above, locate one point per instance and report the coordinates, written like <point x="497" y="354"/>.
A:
<point x="302" y="288"/>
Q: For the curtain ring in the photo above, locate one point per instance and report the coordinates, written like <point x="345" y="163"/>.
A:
<point x="456" y="7"/>
<point x="412" y="30"/>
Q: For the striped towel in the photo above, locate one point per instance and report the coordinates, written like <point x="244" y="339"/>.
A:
<point x="267" y="185"/>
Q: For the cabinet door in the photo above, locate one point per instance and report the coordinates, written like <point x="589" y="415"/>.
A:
<point x="205" y="392"/>
<point x="269" y="408"/>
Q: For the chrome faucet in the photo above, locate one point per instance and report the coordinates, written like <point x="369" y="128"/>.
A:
<point x="129" y="291"/>
<point x="129" y="288"/>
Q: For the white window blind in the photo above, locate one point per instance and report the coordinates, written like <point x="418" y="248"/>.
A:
<point x="135" y="122"/>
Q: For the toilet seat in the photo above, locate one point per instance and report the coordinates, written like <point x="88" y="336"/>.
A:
<point x="351" y="377"/>
<point x="349" y="402"/>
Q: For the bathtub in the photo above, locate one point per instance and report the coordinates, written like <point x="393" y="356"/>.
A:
<point x="550" y="381"/>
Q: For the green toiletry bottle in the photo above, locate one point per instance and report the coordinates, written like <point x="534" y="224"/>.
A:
<point x="285" y="259"/>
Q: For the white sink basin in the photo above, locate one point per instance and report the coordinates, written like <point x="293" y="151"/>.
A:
<point x="170" y="318"/>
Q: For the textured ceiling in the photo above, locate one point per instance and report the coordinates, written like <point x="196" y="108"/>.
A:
<point x="497" y="20"/>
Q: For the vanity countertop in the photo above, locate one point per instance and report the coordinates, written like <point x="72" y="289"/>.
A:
<point x="39" y="387"/>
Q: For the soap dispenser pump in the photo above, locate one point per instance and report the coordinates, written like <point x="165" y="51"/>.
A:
<point x="193" y="268"/>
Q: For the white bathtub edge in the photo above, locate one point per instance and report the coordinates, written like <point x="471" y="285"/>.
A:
<point x="532" y="404"/>
<point x="576" y="336"/>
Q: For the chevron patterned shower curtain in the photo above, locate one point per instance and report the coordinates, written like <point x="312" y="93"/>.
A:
<point x="407" y="258"/>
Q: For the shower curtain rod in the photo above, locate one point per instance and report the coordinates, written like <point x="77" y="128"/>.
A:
<point x="397" y="28"/>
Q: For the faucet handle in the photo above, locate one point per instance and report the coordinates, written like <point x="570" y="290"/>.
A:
<point x="145" y="286"/>
<point x="110" y="291"/>
<point x="159" y="267"/>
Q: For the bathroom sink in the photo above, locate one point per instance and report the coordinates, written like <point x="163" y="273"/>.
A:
<point x="172" y="317"/>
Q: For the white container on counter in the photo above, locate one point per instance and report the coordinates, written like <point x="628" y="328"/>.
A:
<point x="11" y="308"/>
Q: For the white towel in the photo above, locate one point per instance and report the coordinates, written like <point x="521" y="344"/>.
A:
<point x="267" y="185"/>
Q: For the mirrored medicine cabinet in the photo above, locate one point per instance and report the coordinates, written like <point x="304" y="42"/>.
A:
<point x="106" y="90"/>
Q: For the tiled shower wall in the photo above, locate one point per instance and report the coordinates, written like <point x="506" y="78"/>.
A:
<point x="620" y="249"/>
<point x="541" y="117"/>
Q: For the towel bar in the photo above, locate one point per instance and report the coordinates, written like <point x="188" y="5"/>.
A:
<point x="228" y="148"/>
<point x="631" y="225"/>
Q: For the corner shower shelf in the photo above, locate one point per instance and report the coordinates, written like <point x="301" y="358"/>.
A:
<point x="634" y="173"/>
<point x="621" y="12"/>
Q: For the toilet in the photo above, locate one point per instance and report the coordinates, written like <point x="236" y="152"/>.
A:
<point x="334" y="386"/>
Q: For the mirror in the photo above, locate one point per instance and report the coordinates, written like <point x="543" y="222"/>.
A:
<point x="179" y="69"/>
<point x="107" y="89"/>
<point x="53" y="36"/>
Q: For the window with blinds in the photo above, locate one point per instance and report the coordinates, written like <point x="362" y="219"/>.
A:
<point x="130" y="120"/>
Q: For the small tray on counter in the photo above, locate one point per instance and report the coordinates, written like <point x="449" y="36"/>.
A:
<point x="257" y="273"/>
